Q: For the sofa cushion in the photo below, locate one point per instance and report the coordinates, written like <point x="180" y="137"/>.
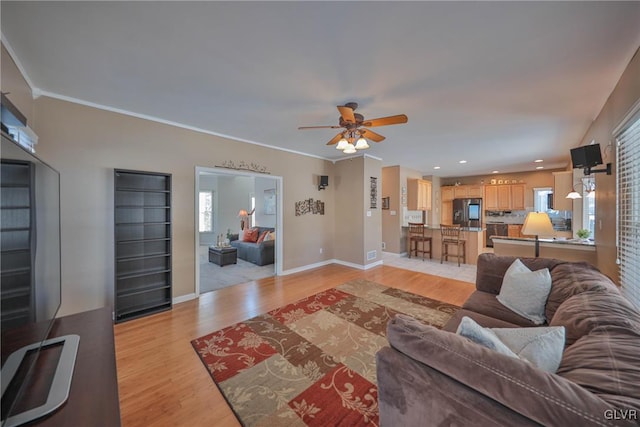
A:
<point x="606" y="363"/>
<point x="541" y="346"/>
<point x="491" y="269"/>
<point x="582" y="313"/>
<point x="487" y="304"/>
<point x="262" y="236"/>
<point x="574" y="278"/>
<point x="525" y="292"/>
<point x="250" y="235"/>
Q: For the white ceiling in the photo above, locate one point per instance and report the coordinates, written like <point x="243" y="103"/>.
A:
<point x="498" y="84"/>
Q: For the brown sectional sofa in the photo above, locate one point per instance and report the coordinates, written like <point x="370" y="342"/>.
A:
<point x="435" y="377"/>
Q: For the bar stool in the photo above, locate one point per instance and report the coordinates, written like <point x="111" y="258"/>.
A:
<point x="451" y="236"/>
<point x="416" y="235"/>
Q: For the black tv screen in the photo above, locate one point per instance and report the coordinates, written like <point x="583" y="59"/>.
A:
<point x="586" y="156"/>
<point x="30" y="265"/>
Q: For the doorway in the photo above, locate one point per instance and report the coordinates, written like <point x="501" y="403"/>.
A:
<point x="220" y="194"/>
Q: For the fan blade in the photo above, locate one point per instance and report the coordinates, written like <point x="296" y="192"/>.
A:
<point x="347" y="114"/>
<point x="384" y="121"/>
<point x="319" y="127"/>
<point x="335" y="139"/>
<point x="369" y="134"/>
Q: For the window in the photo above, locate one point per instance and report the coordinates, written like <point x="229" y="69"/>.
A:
<point x="541" y="198"/>
<point x="206" y="212"/>
<point x="628" y="189"/>
<point x="589" y="205"/>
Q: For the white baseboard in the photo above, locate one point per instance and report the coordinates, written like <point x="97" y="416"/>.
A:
<point x="331" y="261"/>
<point x="308" y="267"/>
<point x="184" y="298"/>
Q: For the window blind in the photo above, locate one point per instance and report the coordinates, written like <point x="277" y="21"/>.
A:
<point x="628" y="188"/>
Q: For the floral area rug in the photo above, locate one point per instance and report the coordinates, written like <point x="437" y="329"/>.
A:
<point x="312" y="362"/>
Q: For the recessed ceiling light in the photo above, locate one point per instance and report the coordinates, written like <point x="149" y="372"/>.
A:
<point x="538" y="161"/>
<point x="462" y="161"/>
<point x="539" y="167"/>
<point x="494" y="172"/>
<point x="436" y="167"/>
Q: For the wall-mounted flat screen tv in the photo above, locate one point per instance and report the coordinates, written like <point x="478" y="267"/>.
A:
<point x="586" y="156"/>
<point x="36" y="370"/>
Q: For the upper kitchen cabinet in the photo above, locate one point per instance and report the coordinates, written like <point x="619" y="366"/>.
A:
<point x="447" y="193"/>
<point x="504" y="197"/>
<point x="451" y="192"/>
<point x="562" y="185"/>
<point x="517" y="197"/>
<point x="418" y="195"/>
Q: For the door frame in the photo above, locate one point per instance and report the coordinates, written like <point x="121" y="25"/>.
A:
<point x="231" y="172"/>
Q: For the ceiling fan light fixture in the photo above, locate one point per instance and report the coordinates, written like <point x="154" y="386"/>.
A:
<point x="350" y="149"/>
<point x="342" y="144"/>
<point x="361" y="144"/>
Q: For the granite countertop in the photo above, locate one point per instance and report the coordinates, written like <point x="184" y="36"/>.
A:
<point x="434" y="227"/>
<point x="574" y="242"/>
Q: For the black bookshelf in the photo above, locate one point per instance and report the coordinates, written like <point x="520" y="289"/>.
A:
<point x="142" y="243"/>
<point x="17" y="242"/>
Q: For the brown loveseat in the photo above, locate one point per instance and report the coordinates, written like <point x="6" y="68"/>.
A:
<point x="435" y="377"/>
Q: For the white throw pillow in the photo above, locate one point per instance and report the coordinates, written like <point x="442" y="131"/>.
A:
<point x="540" y="346"/>
<point x="525" y="292"/>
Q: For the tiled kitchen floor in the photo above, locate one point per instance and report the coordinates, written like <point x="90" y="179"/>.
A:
<point x="465" y="273"/>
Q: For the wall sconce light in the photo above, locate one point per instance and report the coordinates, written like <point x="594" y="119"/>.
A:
<point x="323" y="182"/>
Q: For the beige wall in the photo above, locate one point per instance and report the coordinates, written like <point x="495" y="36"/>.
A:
<point x="85" y="144"/>
<point x="14" y="83"/>
<point x="349" y="211"/>
<point x="391" y="224"/>
<point x="615" y="110"/>
<point x="372" y="224"/>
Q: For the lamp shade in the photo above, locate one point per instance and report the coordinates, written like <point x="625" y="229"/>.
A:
<point x="242" y="213"/>
<point x="361" y="144"/>
<point x="350" y="149"/>
<point x="574" y="195"/>
<point x="538" y="224"/>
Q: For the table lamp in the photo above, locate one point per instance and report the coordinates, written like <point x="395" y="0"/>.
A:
<point x="538" y="224"/>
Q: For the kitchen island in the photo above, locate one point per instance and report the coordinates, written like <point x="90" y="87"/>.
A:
<point x="564" y="249"/>
<point x="474" y="237"/>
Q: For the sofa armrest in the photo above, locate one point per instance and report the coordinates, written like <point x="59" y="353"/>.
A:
<point x="535" y="394"/>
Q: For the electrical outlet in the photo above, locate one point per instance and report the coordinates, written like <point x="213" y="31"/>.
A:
<point x="320" y="250"/>
<point x="384" y="245"/>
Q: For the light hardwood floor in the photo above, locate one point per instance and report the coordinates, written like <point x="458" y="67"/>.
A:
<point x="161" y="379"/>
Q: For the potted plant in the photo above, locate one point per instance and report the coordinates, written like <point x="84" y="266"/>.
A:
<point x="583" y="233"/>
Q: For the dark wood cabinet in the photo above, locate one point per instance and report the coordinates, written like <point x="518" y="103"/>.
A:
<point x="17" y="242"/>
<point x="142" y="243"/>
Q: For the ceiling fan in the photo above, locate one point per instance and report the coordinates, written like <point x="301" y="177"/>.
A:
<point x="355" y="126"/>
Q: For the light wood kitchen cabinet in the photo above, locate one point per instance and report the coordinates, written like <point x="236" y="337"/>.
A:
<point x="474" y="191"/>
<point x="504" y="197"/>
<point x="460" y="192"/>
<point x="491" y="197"/>
<point x="446" y="213"/>
<point x="562" y="185"/>
<point x="447" y="193"/>
<point x="514" y="230"/>
<point x="517" y="196"/>
<point x="451" y="192"/>
<point x="418" y="195"/>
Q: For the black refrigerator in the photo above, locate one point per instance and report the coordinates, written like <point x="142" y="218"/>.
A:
<point x="467" y="212"/>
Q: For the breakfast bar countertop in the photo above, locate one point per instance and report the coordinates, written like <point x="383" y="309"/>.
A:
<point x="573" y="242"/>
